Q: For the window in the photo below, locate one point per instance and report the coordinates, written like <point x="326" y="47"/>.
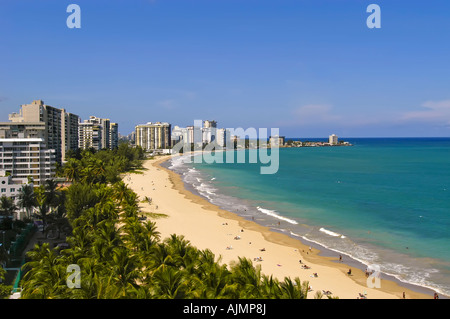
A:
<point x="3" y="190"/>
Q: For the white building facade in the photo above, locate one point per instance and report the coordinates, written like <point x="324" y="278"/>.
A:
<point x="27" y="159"/>
<point x="333" y="139"/>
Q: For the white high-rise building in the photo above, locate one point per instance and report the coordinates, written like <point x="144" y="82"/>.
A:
<point x="27" y="158"/>
<point x="333" y="139"/>
<point x="223" y="137"/>
<point x="209" y="131"/>
<point x="177" y="135"/>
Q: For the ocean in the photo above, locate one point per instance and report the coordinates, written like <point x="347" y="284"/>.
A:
<point x="382" y="201"/>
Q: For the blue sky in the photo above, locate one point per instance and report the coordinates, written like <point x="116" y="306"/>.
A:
<point x="309" y="68"/>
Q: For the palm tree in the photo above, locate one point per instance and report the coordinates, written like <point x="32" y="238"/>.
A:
<point x="120" y="191"/>
<point x="294" y="289"/>
<point x="52" y="193"/>
<point x="7" y="206"/>
<point x="215" y="279"/>
<point x="42" y="205"/>
<point x="79" y="198"/>
<point x="27" y="199"/>
<point x="169" y="283"/>
<point x="80" y="243"/>
<point x="247" y="277"/>
<point x="160" y="256"/>
<point x="71" y="169"/>
<point x="106" y="239"/>
<point x="126" y="269"/>
<point x="45" y="276"/>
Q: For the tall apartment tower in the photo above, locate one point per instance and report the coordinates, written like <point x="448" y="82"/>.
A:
<point x="114" y="136"/>
<point x="209" y="131"/>
<point x="98" y="133"/>
<point x="69" y="132"/>
<point x="60" y="127"/>
<point x="90" y="135"/>
<point x="153" y="136"/>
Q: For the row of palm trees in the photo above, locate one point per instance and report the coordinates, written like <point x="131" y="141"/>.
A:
<point x="89" y="166"/>
<point x="121" y="256"/>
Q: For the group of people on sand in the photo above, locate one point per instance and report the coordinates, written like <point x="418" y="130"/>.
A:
<point x="304" y="266"/>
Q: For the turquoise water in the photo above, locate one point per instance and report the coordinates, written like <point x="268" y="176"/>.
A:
<point x="380" y="201"/>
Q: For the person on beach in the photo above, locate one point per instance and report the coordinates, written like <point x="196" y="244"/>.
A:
<point x="349" y="272"/>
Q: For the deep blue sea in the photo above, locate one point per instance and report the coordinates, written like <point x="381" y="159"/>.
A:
<point x="382" y="201"/>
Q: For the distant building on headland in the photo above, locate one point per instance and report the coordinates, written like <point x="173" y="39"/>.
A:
<point x="333" y="139"/>
<point x="276" y="140"/>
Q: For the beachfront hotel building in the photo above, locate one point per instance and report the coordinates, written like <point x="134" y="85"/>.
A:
<point x="206" y="134"/>
<point x="153" y="136"/>
<point x="333" y="139"/>
<point x="27" y="159"/>
<point x="56" y="126"/>
<point x="209" y="131"/>
<point x="223" y="137"/>
<point x="98" y="133"/>
<point x="177" y="135"/>
<point x="90" y="136"/>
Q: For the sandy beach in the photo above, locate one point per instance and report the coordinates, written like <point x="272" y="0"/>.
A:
<point x="230" y="236"/>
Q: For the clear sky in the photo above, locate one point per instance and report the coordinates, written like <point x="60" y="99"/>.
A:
<point x="310" y="68"/>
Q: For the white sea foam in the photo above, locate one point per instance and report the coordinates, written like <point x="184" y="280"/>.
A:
<point x="331" y="233"/>
<point x="276" y="215"/>
<point x="177" y="161"/>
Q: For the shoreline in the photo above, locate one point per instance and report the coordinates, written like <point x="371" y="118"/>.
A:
<point x="285" y="250"/>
